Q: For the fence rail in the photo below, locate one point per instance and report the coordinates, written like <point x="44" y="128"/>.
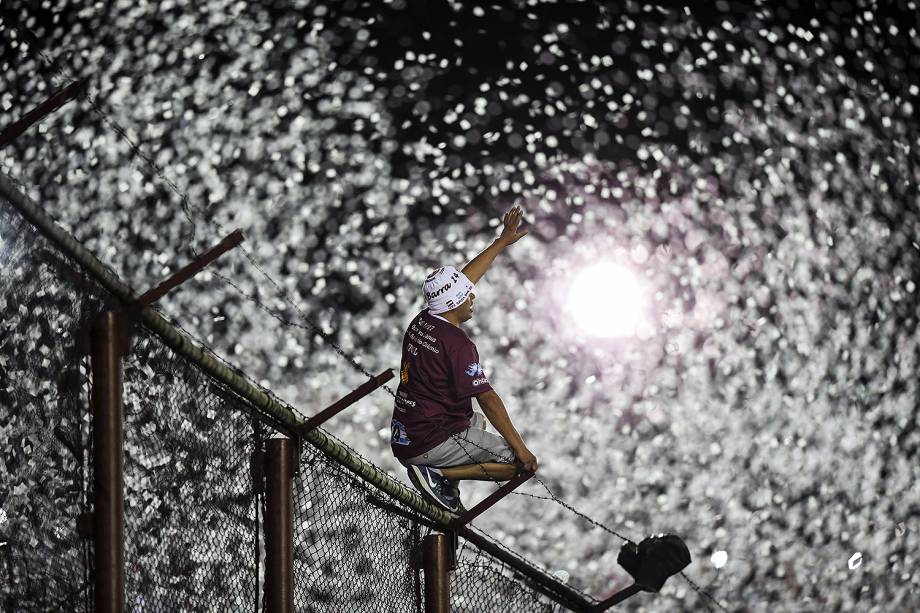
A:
<point x="193" y="424"/>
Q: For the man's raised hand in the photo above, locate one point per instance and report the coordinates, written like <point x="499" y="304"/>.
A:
<point x="512" y="220"/>
<point x="510" y="235"/>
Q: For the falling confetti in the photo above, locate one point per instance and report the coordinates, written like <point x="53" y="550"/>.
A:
<point x="756" y="167"/>
<point x="855" y="561"/>
<point x="719" y="558"/>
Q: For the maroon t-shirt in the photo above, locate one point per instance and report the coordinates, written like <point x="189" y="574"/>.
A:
<point x="439" y="375"/>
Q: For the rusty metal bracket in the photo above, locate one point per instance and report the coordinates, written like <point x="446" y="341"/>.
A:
<point x="56" y="101"/>
<point x="191" y="269"/>
<point x="617" y="598"/>
<point x="453" y="543"/>
<point x="490" y="500"/>
<point x="346" y="401"/>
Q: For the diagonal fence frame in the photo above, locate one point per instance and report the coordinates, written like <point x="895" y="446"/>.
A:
<point x="263" y="407"/>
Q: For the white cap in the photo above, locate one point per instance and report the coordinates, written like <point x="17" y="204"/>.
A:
<point x="446" y="289"/>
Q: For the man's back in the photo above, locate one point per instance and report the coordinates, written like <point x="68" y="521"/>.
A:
<point x="439" y="374"/>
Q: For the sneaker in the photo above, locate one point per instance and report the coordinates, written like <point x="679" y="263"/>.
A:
<point x="434" y="486"/>
<point x="455" y="491"/>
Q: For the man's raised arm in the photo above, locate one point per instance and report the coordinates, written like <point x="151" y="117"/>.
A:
<point x="510" y="235"/>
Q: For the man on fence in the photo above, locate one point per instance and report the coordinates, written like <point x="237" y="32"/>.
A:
<point x="435" y="432"/>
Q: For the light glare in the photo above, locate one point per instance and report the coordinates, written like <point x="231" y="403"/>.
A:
<point x="606" y="300"/>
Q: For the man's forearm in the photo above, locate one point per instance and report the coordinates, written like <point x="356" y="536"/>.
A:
<point x="480" y="264"/>
<point x="495" y="411"/>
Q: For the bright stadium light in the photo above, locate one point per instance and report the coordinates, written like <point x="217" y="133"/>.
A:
<point x="607" y="300"/>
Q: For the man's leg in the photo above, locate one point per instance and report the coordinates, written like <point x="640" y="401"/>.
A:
<point x="487" y="471"/>
<point x="473" y="454"/>
<point x="478" y="455"/>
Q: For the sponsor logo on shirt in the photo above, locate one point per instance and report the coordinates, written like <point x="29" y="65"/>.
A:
<point x="474" y="369"/>
<point x="404" y="373"/>
<point x="398" y="434"/>
<point x="403" y="399"/>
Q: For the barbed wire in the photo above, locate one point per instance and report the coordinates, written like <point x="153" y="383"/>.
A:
<point x="185" y="201"/>
<point x="700" y="590"/>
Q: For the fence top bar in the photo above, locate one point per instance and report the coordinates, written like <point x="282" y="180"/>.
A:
<point x="263" y="403"/>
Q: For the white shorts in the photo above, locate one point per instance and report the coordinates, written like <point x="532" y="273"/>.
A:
<point x="472" y="446"/>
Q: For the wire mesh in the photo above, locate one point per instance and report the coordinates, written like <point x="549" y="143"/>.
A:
<point x="353" y="555"/>
<point x="348" y="553"/>
<point x="191" y="527"/>
<point x="481" y="583"/>
<point x="43" y="424"/>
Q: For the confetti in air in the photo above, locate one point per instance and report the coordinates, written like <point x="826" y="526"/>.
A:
<point x="753" y="166"/>
<point x="855" y="561"/>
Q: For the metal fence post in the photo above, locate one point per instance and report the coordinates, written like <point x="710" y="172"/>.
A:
<point x="109" y="342"/>
<point x="436" y="558"/>
<point x="279" y="526"/>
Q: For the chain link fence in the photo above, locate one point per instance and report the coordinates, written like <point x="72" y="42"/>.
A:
<point x="193" y="540"/>
<point x="44" y="424"/>
<point x="190" y="524"/>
